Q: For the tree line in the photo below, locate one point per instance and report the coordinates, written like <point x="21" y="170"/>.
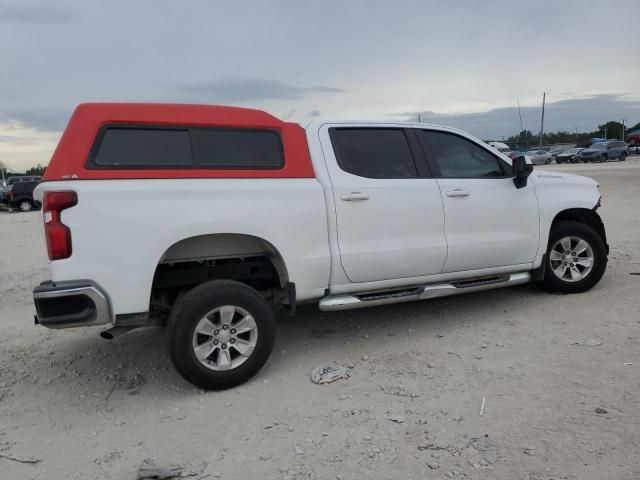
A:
<point x="38" y="170"/>
<point x="610" y="129"/>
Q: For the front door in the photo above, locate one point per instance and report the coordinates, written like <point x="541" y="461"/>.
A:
<point x="390" y="217"/>
<point x="489" y="222"/>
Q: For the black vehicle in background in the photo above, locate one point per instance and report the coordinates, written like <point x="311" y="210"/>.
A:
<point x="5" y="187"/>
<point x="20" y="196"/>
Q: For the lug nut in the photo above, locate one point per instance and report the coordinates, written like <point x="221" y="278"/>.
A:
<point x="567" y="252"/>
<point x="215" y="342"/>
<point x="573" y="253"/>
<point x="572" y="265"/>
<point x="224" y="327"/>
<point x="224" y="346"/>
<point x="564" y="263"/>
<point x="216" y="332"/>
<point x="233" y="331"/>
<point x="232" y="341"/>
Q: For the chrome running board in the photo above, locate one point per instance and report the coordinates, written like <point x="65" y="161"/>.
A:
<point x="424" y="292"/>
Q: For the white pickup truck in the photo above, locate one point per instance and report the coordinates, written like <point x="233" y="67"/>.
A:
<point x="206" y="218"/>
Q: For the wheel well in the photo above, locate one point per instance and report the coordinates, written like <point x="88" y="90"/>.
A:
<point x="243" y="258"/>
<point x="583" y="215"/>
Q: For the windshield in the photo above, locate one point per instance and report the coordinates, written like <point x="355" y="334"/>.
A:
<point x="599" y="146"/>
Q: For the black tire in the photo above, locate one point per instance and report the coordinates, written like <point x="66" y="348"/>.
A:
<point x="623" y="157"/>
<point x="192" y="307"/>
<point x="25" y="206"/>
<point x="603" y="158"/>
<point x="551" y="281"/>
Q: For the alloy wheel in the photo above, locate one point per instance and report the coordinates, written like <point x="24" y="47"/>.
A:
<point x="571" y="259"/>
<point x="225" y="338"/>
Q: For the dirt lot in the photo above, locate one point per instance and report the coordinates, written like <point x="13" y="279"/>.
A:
<point x="546" y="365"/>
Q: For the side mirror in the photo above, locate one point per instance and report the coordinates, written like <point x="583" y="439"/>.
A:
<point x="521" y="171"/>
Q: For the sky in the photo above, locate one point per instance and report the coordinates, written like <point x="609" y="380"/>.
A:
<point x="462" y="63"/>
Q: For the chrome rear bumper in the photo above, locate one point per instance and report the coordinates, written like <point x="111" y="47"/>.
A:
<point x="69" y="304"/>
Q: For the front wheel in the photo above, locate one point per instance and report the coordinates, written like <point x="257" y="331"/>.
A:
<point x="576" y="258"/>
<point x="623" y="157"/>
<point x="221" y="334"/>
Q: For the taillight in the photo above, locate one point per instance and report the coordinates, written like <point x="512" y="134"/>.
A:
<point x="58" y="234"/>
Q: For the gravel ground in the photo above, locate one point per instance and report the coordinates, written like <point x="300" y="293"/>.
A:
<point x="559" y="375"/>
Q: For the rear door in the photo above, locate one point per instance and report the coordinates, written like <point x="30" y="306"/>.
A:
<point x="489" y="222"/>
<point x="389" y="212"/>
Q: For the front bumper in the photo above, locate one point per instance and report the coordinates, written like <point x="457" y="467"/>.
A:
<point x="69" y="304"/>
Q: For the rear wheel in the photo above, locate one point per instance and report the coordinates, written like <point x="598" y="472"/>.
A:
<point x="576" y="258"/>
<point x="25" y="206"/>
<point x="221" y="333"/>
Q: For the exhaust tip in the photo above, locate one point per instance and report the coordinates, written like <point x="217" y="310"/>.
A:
<point x="107" y="335"/>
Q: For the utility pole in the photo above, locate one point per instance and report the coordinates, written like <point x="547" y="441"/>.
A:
<point x="520" y="115"/>
<point x="623" y="120"/>
<point x="544" y="95"/>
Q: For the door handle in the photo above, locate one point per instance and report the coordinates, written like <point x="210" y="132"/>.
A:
<point x="354" y="197"/>
<point x="457" y="192"/>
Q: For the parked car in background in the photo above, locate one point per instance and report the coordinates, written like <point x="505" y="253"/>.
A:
<point x="540" y="157"/>
<point x="603" y="151"/>
<point x="21" y="196"/>
<point x="633" y="139"/>
<point x="501" y="147"/>
<point x="569" y="156"/>
<point x="21" y="178"/>
<point x="5" y="188"/>
<point x="4" y="196"/>
<point x="515" y="154"/>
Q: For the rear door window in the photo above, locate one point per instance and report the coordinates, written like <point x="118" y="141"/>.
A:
<point x="373" y="152"/>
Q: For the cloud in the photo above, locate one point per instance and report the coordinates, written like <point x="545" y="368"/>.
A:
<point x="584" y="113"/>
<point x="246" y="89"/>
<point x="314" y="113"/>
<point x="34" y="13"/>
<point x="42" y="119"/>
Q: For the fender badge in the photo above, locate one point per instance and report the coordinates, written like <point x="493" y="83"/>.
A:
<point x="560" y="177"/>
